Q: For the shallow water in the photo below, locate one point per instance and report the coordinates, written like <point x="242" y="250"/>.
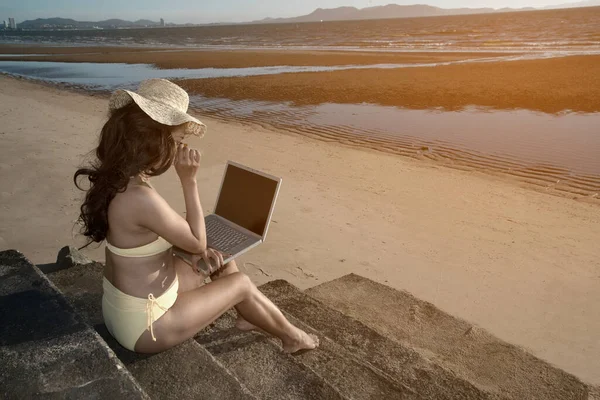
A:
<point x="558" y="152"/>
<point x="107" y="76"/>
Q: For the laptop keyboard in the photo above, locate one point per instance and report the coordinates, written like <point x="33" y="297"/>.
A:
<point x="223" y="237"/>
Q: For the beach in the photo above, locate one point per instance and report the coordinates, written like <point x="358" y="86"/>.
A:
<point x="453" y="157"/>
<point x="517" y="262"/>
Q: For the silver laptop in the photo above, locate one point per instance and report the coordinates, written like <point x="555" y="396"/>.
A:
<point x="243" y="211"/>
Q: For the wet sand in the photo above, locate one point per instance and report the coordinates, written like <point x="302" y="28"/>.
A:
<point x="547" y="85"/>
<point x="521" y="264"/>
<point x="185" y="58"/>
<point x="49" y="49"/>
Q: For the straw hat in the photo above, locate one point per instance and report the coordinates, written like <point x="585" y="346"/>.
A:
<point x="161" y="100"/>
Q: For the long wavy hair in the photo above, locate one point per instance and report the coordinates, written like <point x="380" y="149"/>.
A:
<point x="130" y="143"/>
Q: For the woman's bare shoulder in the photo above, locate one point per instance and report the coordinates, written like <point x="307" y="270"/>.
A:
<point x="135" y="200"/>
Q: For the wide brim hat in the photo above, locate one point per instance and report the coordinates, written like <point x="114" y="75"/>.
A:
<point x="163" y="101"/>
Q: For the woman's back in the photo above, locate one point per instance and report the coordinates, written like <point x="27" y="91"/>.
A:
<point x="136" y="276"/>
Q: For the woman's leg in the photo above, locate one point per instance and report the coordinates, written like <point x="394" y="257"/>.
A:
<point x="197" y="308"/>
<point x="228" y="269"/>
<point x="189" y="280"/>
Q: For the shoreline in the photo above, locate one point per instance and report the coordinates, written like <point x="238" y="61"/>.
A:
<point x="519" y="263"/>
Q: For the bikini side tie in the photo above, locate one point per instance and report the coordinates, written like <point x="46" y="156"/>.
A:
<point x="150" y="311"/>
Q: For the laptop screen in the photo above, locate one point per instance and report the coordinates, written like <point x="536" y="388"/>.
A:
<point x="246" y="198"/>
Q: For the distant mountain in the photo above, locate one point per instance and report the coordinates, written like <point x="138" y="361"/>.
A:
<point x="48" y="21"/>
<point x="65" y="23"/>
<point x="399" y="11"/>
<point x="378" y="12"/>
<point x="145" y="22"/>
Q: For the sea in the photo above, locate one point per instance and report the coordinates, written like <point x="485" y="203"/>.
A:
<point x="564" y="159"/>
<point x="566" y="30"/>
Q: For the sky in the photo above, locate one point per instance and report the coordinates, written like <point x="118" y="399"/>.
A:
<point x="199" y="11"/>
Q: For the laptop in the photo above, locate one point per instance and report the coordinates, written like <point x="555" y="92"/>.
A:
<point x="242" y="214"/>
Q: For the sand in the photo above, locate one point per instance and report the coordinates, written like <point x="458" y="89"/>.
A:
<point x="522" y="264"/>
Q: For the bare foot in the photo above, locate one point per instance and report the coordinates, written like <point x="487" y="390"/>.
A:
<point x="244" y="325"/>
<point x="304" y="341"/>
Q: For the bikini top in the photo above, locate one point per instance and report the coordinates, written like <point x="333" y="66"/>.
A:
<point x="150" y="249"/>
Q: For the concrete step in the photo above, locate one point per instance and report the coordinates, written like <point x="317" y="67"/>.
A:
<point x="340" y="368"/>
<point x="46" y="350"/>
<point x="400" y="364"/>
<point x="81" y="283"/>
<point x="468" y="351"/>
<point x="349" y="374"/>
<point x="260" y="364"/>
<point x="187" y="371"/>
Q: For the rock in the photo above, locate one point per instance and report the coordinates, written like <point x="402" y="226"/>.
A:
<point x="69" y="257"/>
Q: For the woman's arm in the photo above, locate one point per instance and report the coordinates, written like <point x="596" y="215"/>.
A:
<point x="156" y="215"/>
<point x="194" y="214"/>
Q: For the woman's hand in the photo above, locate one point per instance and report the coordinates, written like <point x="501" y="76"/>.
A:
<point x="208" y="262"/>
<point x="187" y="163"/>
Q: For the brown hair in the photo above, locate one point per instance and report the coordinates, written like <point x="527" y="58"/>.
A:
<point x="130" y="143"/>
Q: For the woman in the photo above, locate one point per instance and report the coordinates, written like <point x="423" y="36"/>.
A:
<point x="152" y="300"/>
